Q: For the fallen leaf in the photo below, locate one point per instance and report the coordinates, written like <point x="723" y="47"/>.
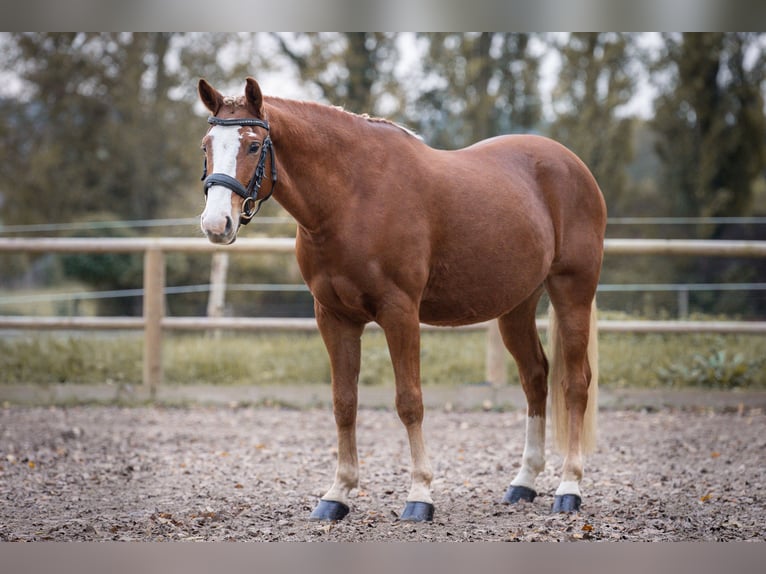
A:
<point x="587" y="528"/>
<point x="715" y="454"/>
<point x="707" y="497"/>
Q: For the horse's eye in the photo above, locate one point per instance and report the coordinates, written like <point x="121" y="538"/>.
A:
<point x="253" y="147"/>
<point x="204" y="149"/>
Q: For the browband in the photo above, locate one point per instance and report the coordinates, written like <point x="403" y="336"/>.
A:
<point x="212" y="120"/>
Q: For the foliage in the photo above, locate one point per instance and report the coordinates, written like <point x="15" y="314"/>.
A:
<point x="718" y="369"/>
<point x="96" y="126"/>
<point x="710" y="121"/>
<point x="353" y="69"/>
<point x="476" y="86"/>
<point x="107" y="270"/>
<point x="597" y="80"/>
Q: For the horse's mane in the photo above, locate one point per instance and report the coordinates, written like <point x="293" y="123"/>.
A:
<point x="340" y="110"/>
<point x="383" y="121"/>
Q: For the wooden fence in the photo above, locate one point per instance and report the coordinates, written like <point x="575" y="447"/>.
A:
<point x="155" y="321"/>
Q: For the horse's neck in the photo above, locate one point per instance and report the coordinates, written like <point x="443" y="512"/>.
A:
<point x="312" y="144"/>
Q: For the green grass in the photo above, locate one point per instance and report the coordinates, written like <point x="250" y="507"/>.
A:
<point x="452" y="358"/>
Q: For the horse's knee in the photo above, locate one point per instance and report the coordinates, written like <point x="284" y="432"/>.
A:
<point x="344" y="409"/>
<point x="409" y="406"/>
<point x="345" y="420"/>
<point x="535" y="388"/>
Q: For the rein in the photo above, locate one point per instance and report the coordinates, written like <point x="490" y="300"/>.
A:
<point x="252" y="204"/>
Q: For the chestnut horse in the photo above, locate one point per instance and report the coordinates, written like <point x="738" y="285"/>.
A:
<point x="393" y="231"/>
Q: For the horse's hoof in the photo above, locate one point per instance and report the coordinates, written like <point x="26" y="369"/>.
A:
<point x="566" y="503"/>
<point x="418" y="512"/>
<point x="517" y="493"/>
<point x="329" y="510"/>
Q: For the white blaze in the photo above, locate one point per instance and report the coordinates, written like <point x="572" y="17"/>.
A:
<point x="225" y="141"/>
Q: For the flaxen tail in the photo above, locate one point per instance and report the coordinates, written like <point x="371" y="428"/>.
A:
<point x="559" y="417"/>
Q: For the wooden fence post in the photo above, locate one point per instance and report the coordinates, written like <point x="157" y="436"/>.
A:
<point x="215" y="303"/>
<point x="154" y="311"/>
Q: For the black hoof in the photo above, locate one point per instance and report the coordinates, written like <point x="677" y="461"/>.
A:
<point x="516" y="493"/>
<point x="418" y="512"/>
<point x="329" y="510"/>
<point x="566" y="503"/>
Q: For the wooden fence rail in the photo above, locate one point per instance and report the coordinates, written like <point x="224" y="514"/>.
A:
<point x="154" y="320"/>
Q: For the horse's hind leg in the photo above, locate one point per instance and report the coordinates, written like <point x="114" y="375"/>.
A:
<point x="520" y="337"/>
<point x="343" y="342"/>
<point x="574" y="380"/>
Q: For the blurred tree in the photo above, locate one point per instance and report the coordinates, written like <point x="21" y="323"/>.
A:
<point x="353" y="70"/>
<point x="596" y="81"/>
<point x="100" y="130"/>
<point x="710" y="121"/>
<point x="476" y="86"/>
<point x="107" y="120"/>
<point x="711" y="141"/>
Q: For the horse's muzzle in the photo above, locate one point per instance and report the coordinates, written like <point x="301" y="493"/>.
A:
<point x="219" y="230"/>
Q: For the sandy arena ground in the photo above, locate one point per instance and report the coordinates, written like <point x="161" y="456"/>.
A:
<point x="254" y="474"/>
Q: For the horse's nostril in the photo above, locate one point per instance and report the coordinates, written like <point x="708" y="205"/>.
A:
<point x="228" y="225"/>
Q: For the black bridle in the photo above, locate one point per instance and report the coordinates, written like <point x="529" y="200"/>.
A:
<point x="252" y="204"/>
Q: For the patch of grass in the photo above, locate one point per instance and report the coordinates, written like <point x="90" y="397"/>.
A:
<point x="68" y="359"/>
<point x="447" y="357"/>
<point x="246" y="359"/>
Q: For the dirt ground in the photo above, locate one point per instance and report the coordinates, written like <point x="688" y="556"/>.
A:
<point x="254" y="474"/>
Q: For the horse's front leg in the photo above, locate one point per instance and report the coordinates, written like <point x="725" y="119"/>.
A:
<point x="343" y="341"/>
<point x="403" y="338"/>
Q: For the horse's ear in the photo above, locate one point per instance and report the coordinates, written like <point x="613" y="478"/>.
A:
<point x="211" y="97"/>
<point x="254" y="97"/>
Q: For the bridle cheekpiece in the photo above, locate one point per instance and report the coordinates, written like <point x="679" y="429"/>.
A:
<point x="252" y="204"/>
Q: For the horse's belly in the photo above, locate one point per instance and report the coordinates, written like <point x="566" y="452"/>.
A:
<point x="452" y="301"/>
<point x="437" y="313"/>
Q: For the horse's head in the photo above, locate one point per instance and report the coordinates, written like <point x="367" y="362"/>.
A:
<point x="236" y="147"/>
